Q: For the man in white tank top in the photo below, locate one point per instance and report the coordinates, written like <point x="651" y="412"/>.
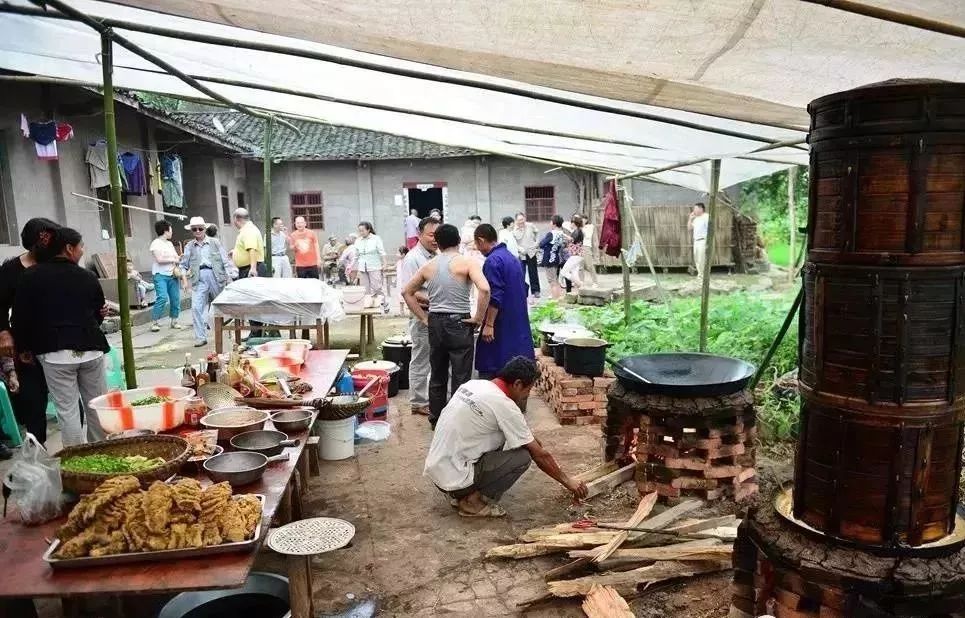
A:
<point x="448" y="280"/>
<point x="697" y="223"/>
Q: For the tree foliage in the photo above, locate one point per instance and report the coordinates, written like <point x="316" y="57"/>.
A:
<point x="766" y="200"/>
<point x="159" y="102"/>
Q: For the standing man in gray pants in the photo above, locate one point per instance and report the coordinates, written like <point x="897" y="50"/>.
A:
<point x="482" y="443"/>
<point x="208" y="267"/>
<point x="419" y="256"/>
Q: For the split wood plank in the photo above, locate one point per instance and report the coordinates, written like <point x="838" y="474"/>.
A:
<point x="643" y="511"/>
<point x="594" y="473"/>
<point x="536" y="535"/>
<point x="621" y="560"/>
<point x="527" y="550"/>
<point x="605" y="602"/>
<point x="610" y="481"/>
<point x="669" y="552"/>
<point x="626" y="582"/>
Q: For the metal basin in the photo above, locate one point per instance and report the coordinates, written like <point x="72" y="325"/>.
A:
<point x="684" y="374"/>
<point x="268" y="443"/>
<point x="264" y="595"/>
<point x="239" y="468"/>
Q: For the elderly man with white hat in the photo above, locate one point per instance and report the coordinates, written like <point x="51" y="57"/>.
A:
<point x="209" y="269"/>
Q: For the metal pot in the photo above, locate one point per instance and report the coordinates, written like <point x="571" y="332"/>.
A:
<point x="683" y="374"/>
<point x="222" y="418"/>
<point x="264" y="594"/>
<point x="292" y="421"/>
<point x="240" y="467"/>
<point x="268" y="443"/>
<point x="585" y="356"/>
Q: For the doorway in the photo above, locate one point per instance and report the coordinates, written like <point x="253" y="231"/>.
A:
<point x="423" y="201"/>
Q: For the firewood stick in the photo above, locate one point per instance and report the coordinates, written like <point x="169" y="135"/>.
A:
<point x="658" y="531"/>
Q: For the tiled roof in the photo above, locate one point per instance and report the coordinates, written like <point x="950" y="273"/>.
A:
<point x="322" y="142"/>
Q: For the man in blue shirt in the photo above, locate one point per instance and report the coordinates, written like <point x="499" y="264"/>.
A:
<point x="505" y="329"/>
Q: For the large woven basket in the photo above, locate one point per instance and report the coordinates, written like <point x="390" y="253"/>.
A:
<point x="172" y="449"/>
<point x="341" y="407"/>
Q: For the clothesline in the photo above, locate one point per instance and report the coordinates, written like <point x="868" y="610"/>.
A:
<point x="153" y="212"/>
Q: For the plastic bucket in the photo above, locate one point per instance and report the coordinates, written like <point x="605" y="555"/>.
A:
<point x="336" y="439"/>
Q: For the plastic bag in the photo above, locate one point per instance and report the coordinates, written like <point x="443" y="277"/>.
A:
<point x="376" y="431"/>
<point x="35" y="483"/>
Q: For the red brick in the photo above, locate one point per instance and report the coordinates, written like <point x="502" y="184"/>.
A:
<point x="589" y="405"/>
<point x="567" y="413"/>
<point x="597" y="420"/>
<point x="600" y="412"/>
<point x="686" y="463"/>
<point x="603" y="382"/>
<point x="746" y="473"/>
<point x="567" y="421"/>
<point x="576" y="383"/>
<point x="582" y="420"/>
<point x="569" y="406"/>
<point x="787" y="598"/>
<point x="577" y="399"/>
<point x="720" y="472"/>
<point x="830" y="612"/>
<point x="693" y="482"/>
<point x="725" y="451"/>
<point x="569" y="392"/>
<point x="599" y="391"/>
<point x="601" y="398"/>
<point x="745" y="490"/>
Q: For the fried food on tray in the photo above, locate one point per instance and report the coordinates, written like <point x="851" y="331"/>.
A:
<point x="120" y="517"/>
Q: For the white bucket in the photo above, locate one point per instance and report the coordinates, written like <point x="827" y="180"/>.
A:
<point x="337" y="439"/>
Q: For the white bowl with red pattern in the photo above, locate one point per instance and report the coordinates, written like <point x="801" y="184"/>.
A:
<point x="117" y="414"/>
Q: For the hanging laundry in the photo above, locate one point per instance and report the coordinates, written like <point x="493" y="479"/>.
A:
<point x="64" y="132"/>
<point x="133" y="169"/>
<point x="44" y="135"/>
<point x="172" y="188"/>
<point x="610" y="240"/>
<point x="155" y="165"/>
<point x="24" y="126"/>
<point x="96" y="159"/>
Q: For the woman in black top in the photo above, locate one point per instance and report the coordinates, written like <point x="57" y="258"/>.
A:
<point x="58" y="316"/>
<point x="30" y="402"/>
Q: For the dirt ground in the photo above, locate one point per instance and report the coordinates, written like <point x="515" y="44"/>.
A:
<point x="414" y="556"/>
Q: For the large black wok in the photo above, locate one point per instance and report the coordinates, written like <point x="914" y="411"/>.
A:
<point x="683" y="374"/>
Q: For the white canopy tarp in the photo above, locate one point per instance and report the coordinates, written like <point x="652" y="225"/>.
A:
<point x="765" y="70"/>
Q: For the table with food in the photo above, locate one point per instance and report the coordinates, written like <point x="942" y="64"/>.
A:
<point x="181" y="495"/>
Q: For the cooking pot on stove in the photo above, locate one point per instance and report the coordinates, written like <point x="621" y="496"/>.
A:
<point x="584" y="356"/>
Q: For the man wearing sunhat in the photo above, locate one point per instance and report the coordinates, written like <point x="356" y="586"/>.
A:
<point x="209" y="269"/>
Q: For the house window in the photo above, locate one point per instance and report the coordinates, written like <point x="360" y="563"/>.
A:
<point x="107" y="221"/>
<point x="540" y="203"/>
<point x="225" y="205"/>
<point x="308" y="205"/>
<point x="241" y="200"/>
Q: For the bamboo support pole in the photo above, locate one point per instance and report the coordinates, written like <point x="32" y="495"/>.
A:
<point x="777" y="340"/>
<point x="709" y="253"/>
<point x="792" y="216"/>
<point x="66" y="12"/>
<point x="117" y="214"/>
<point x="266" y="189"/>
<point x="895" y="17"/>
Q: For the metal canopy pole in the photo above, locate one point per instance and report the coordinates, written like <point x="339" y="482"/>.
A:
<point x="266" y="198"/>
<point x="895" y="17"/>
<point x="709" y="252"/>
<point x="117" y="215"/>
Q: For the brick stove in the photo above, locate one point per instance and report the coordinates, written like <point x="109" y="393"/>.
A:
<point x="684" y="446"/>
<point x="575" y="400"/>
<point x="872" y="527"/>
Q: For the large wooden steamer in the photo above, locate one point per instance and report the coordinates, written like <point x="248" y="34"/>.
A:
<point x="882" y="348"/>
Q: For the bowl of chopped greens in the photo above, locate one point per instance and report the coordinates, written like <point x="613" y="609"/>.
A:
<point x="157" y="408"/>
<point x="148" y="458"/>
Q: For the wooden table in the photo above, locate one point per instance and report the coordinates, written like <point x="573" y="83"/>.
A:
<point x="27" y="575"/>
<point x="366" y="328"/>
<point x="319" y="330"/>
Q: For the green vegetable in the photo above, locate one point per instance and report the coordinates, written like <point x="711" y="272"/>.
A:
<point x="149" y="401"/>
<point x="110" y="464"/>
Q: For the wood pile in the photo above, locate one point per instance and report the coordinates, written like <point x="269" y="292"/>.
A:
<point x="610" y="559"/>
<point x="575" y="400"/>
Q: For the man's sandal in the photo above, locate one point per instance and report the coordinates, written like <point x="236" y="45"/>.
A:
<point x="490" y="510"/>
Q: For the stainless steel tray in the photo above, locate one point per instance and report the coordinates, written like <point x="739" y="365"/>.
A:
<point x="150" y="556"/>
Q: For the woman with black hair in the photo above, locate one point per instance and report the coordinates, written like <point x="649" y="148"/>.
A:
<point x="30" y="401"/>
<point x="167" y="276"/>
<point x="57" y="316"/>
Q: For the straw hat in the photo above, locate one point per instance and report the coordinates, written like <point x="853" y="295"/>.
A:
<point x="196" y="222"/>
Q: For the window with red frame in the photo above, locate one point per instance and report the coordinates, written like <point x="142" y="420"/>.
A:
<point x="540" y="203"/>
<point x="309" y="205"/>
